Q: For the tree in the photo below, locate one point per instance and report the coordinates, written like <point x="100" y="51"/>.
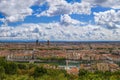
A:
<point x="98" y="72"/>
<point x="39" y="71"/>
<point x="2" y="73"/>
<point x="2" y="61"/>
<point x="11" y="68"/>
<point x="82" y="72"/>
<point x="22" y="66"/>
<point x="107" y="73"/>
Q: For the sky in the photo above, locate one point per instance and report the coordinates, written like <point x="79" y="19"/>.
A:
<point x="60" y="20"/>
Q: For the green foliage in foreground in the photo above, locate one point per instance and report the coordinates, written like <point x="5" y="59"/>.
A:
<point x="26" y="71"/>
<point x="98" y="75"/>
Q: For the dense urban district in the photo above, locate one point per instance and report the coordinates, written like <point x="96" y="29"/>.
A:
<point x="60" y="61"/>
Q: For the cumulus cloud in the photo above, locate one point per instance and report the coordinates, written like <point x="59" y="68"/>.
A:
<point x="15" y="10"/>
<point x="59" y="7"/>
<point x="39" y="2"/>
<point x="81" y="8"/>
<point x="109" y="19"/>
<point x="115" y="4"/>
<point x="67" y="20"/>
<point x="56" y="7"/>
<point x="56" y="31"/>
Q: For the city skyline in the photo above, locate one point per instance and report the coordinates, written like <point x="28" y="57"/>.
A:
<point x="60" y="20"/>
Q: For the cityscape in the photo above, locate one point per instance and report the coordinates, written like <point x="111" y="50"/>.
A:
<point x="59" y="39"/>
<point x="68" y="56"/>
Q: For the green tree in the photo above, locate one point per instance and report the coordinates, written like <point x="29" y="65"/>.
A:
<point x="11" y="68"/>
<point x="39" y="71"/>
<point x="107" y="73"/>
<point x="22" y="66"/>
<point x="2" y="73"/>
<point x="83" y="72"/>
<point x="2" y="61"/>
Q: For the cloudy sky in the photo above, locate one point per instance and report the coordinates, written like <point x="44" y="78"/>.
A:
<point x="69" y="20"/>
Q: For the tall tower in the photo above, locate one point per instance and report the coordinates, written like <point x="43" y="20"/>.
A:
<point x="37" y="42"/>
<point x="48" y="42"/>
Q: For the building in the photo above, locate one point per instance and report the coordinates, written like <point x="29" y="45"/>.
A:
<point x="73" y="70"/>
<point x="102" y="66"/>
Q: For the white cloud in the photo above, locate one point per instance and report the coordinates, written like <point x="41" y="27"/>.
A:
<point x="56" y="7"/>
<point x="67" y="20"/>
<point x="81" y="8"/>
<point x="108" y="19"/>
<point x="115" y="4"/>
<point x="56" y="31"/>
<point x="39" y="2"/>
<point x="59" y="7"/>
<point x="15" y="10"/>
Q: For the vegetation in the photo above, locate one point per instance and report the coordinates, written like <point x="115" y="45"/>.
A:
<point x="27" y="71"/>
<point x="2" y="48"/>
<point x="99" y="75"/>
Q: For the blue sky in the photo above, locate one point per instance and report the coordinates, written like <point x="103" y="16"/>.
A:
<point x="60" y="20"/>
<point x="45" y="19"/>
